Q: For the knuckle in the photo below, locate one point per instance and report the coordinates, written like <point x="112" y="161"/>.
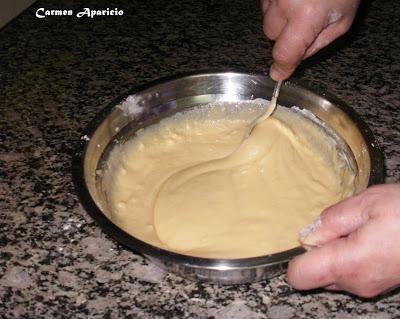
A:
<point x="329" y="270"/>
<point x="292" y="49"/>
<point x="282" y="56"/>
<point x="327" y="216"/>
<point x="294" y="274"/>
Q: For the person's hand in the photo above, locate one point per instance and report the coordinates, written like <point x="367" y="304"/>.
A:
<point x="301" y="28"/>
<point x="355" y="245"/>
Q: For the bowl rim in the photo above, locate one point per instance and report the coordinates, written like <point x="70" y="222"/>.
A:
<point x="141" y="247"/>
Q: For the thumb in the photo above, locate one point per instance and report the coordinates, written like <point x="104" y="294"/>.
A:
<point x="293" y="41"/>
<point x="336" y="221"/>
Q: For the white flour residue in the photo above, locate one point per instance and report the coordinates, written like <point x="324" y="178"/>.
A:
<point x="131" y="106"/>
<point x="303" y="234"/>
<point x="260" y="100"/>
<point x="343" y="149"/>
<point x="334" y="16"/>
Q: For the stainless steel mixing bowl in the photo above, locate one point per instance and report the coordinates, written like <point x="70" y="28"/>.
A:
<point x="148" y="104"/>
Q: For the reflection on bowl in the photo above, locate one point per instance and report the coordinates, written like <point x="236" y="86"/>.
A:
<point x="148" y="105"/>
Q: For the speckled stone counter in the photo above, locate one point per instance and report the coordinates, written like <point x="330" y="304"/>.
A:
<point x="57" y="73"/>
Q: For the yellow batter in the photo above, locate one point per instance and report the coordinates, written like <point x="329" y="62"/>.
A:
<point x="174" y="185"/>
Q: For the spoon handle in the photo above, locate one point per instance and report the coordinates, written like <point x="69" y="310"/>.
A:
<point x="272" y="105"/>
<point x="275" y="94"/>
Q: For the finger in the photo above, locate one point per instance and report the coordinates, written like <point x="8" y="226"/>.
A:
<point x="318" y="267"/>
<point x="291" y="45"/>
<point x="274" y="21"/>
<point x="336" y="221"/>
<point x="328" y="35"/>
<point x="264" y="5"/>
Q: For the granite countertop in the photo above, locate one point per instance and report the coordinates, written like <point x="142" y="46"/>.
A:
<point x="57" y="73"/>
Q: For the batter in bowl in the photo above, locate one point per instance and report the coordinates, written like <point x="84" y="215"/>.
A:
<point x="172" y="185"/>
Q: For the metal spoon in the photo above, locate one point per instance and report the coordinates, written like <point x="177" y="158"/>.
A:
<point x="268" y="111"/>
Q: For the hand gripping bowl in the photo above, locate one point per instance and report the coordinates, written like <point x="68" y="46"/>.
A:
<point x="149" y="104"/>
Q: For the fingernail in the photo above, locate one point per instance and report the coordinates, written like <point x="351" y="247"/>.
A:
<point x="307" y="235"/>
<point x="275" y="73"/>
